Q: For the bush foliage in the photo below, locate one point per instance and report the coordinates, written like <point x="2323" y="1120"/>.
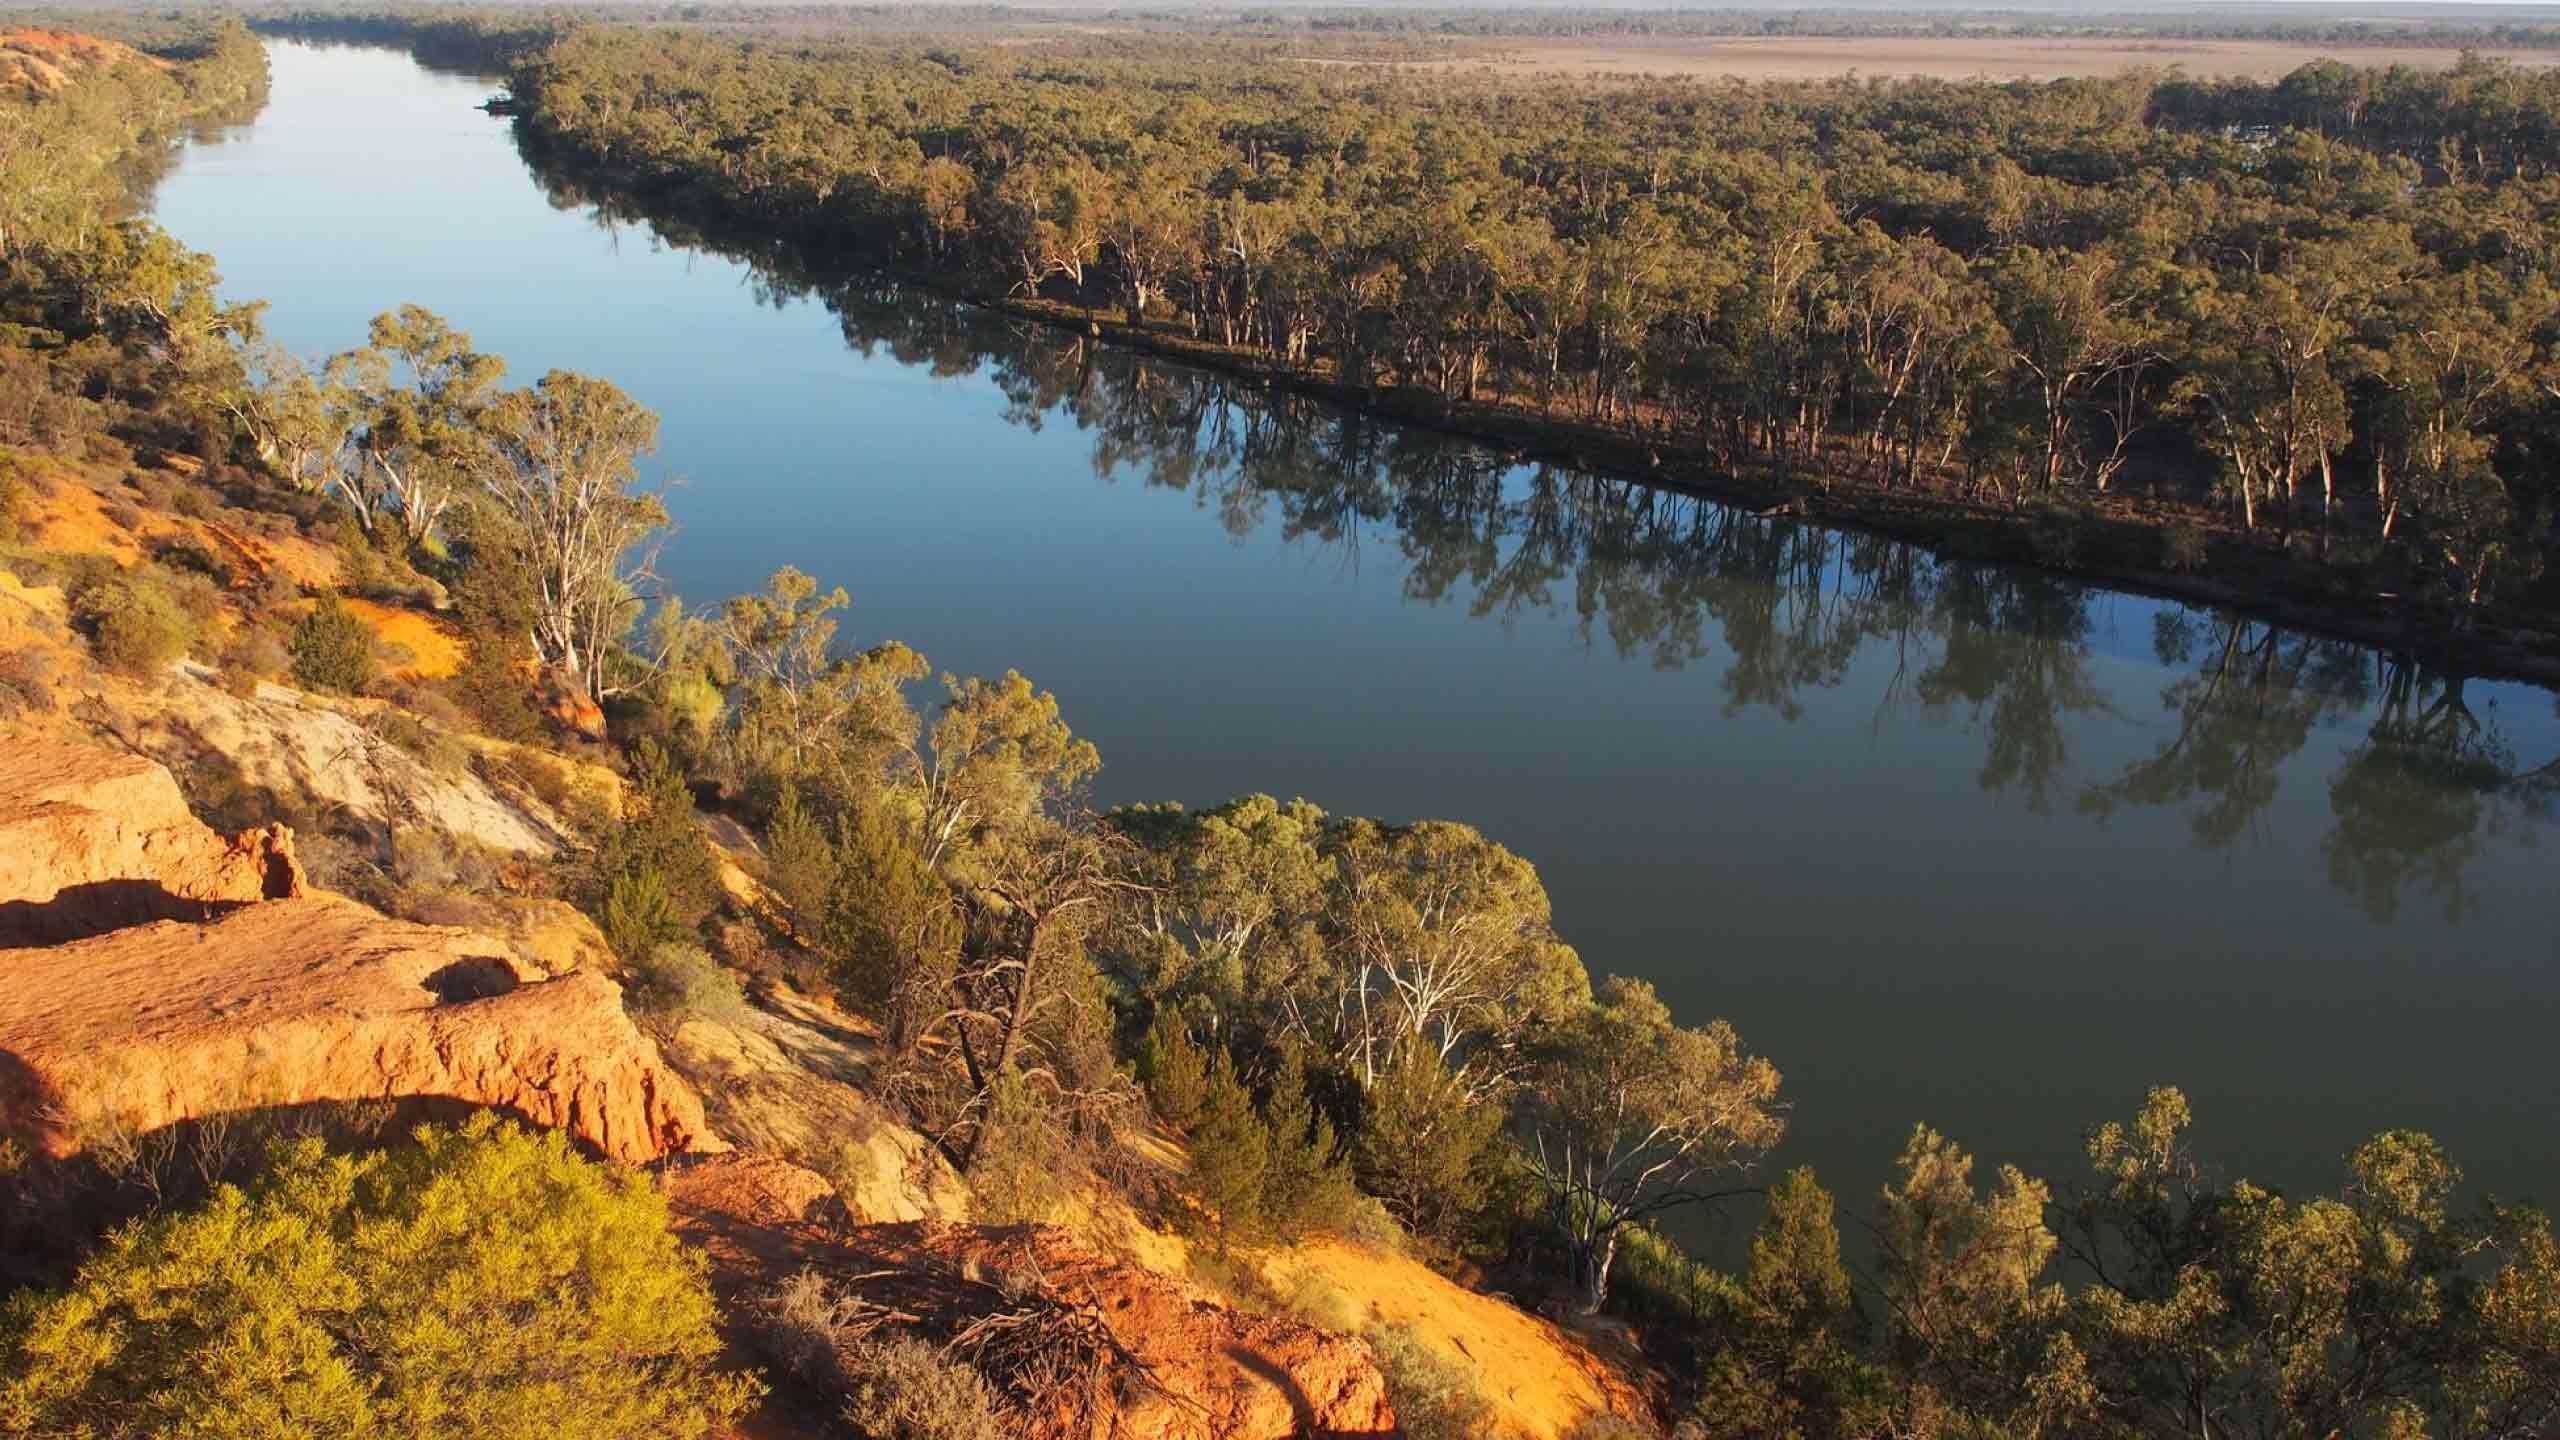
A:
<point x="141" y="621"/>
<point x="482" y="1283"/>
<point x="332" y="649"/>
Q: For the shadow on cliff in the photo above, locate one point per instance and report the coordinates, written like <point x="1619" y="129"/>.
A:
<point x="101" y="907"/>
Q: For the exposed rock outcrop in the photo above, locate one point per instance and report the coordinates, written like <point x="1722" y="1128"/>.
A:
<point x="791" y="1078"/>
<point x="92" y="840"/>
<point x="1203" y="1369"/>
<point x="321" y="999"/>
<point x="201" y="980"/>
<point x="335" y="752"/>
<point x="46" y="62"/>
<point x="553" y="936"/>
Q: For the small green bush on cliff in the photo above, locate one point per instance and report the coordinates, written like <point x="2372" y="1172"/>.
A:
<point x="141" y="620"/>
<point x="482" y="1283"/>
<point x="332" y="649"/>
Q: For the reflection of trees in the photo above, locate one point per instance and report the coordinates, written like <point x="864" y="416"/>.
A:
<point x="1665" y="577"/>
<point x="2248" y="707"/>
<point x="2409" y="802"/>
<point x="2409" y="807"/>
<point x="2016" y="651"/>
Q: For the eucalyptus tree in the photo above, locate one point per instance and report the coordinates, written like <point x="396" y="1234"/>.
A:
<point x="564" y="464"/>
<point x="1628" y="1115"/>
<point x="1442" y="939"/>
<point x="424" y="398"/>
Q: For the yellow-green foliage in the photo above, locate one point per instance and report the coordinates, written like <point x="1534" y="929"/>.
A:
<point x="481" y="1284"/>
<point x="140" y="621"/>
<point x="1434" y="1398"/>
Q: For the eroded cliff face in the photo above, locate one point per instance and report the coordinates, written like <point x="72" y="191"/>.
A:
<point x="201" y="979"/>
<point x="92" y="840"/>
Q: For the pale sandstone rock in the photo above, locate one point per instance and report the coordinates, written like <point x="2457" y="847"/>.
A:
<point x="321" y="999"/>
<point x="93" y="839"/>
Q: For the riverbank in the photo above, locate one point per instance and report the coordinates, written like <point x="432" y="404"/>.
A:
<point x="2123" y="543"/>
<point x="2151" y="547"/>
<point x="2122" y="546"/>
<point x="2164" y="542"/>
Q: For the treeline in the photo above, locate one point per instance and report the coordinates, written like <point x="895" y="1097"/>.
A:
<point x="2323" y="302"/>
<point x="477" y="41"/>
<point x="2479" y="29"/>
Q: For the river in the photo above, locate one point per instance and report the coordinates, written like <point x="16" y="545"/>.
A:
<point x="1950" y="843"/>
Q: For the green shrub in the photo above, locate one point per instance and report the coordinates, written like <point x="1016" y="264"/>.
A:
<point x="1230" y="1155"/>
<point x="800" y="864"/>
<point x="892" y="932"/>
<point x="13" y="502"/>
<point x="332" y="649"/>
<point x="1306" y="1185"/>
<point x="1176" y="1072"/>
<point x="638" y="914"/>
<point x="493" y="685"/>
<point x="141" y="621"/>
<point x="481" y="1282"/>
<point x="1434" y="1399"/>
<point x="654" y="875"/>
<point x="1425" y="1142"/>
<point x="678" y="980"/>
<point x="1019" y="1171"/>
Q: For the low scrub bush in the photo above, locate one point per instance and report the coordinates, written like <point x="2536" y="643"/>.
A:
<point x="428" y="862"/>
<point x="895" y="1386"/>
<point x="480" y="1281"/>
<point x="1434" y="1398"/>
<point x="332" y="649"/>
<point x="143" y="620"/>
<point x="673" y="981"/>
<point x="904" y="1389"/>
<point x="426" y="739"/>
<point x="26" y="683"/>
<point x="258" y="652"/>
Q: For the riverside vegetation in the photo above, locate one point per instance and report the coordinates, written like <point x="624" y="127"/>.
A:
<point x="1358" y="1028"/>
<point x="2300" y="333"/>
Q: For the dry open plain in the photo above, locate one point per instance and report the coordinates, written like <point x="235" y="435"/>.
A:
<point x="2000" y="57"/>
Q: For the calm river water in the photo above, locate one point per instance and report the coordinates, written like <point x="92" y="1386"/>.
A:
<point x="1949" y="843"/>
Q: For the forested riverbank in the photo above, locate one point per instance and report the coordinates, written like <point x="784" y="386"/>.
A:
<point x="2289" y="344"/>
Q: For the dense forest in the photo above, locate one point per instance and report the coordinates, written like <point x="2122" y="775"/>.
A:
<point x="2317" y="313"/>
<point x="1359" y="1027"/>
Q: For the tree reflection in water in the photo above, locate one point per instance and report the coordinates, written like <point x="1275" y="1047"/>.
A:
<point x="1672" y="579"/>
